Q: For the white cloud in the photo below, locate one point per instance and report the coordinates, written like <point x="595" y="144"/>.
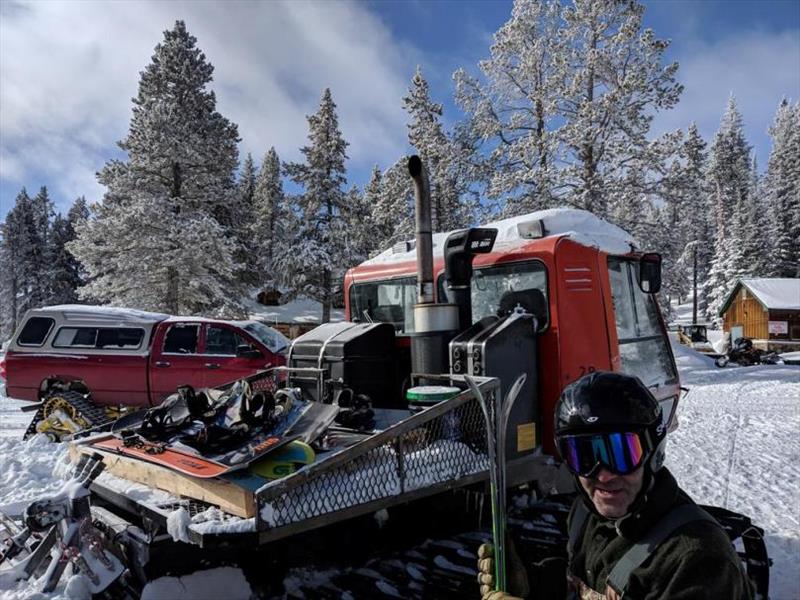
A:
<point x="69" y="70"/>
<point x="759" y="68"/>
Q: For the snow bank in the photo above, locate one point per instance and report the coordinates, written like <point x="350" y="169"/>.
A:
<point x="301" y="310"/>
<point x="222" y="582"/>
<point x="738" y="446"/>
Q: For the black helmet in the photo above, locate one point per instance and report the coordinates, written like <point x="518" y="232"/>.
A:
<point x="605" y="403"/>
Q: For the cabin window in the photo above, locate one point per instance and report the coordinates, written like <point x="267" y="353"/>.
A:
<point x="389" y="301"/>
<point x="642" y="345"/>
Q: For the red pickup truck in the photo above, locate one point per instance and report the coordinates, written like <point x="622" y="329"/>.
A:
<point x="118" y="356"/>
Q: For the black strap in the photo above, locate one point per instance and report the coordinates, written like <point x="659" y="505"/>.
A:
<point x="576" y="528"/>
<point x="642" y="549"/>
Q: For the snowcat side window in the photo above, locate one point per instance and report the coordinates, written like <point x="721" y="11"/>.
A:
<point x="35" y="331"/>
<point x="389" y="301"/>
<point x="490" y="283"/>
<point x="642" y="346"/>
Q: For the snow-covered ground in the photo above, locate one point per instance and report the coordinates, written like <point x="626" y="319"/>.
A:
<point x="737" y="446"/>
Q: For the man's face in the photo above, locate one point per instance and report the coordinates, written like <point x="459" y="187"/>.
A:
<point x="612" y="494"/>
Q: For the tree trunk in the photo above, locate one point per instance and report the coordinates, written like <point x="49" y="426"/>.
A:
<point x="171" y="300"/>
<point x="327" y="296"/>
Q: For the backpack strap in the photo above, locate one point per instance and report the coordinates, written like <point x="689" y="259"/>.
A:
<point x="576" y="528"/>
<point x="643" y="548"/>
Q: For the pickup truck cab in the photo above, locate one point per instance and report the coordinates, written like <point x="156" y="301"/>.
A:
<point x="120" y="356"/>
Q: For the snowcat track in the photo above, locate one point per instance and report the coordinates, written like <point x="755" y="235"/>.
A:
<point x="90" y="412"/>
<point x="445" y="569"/>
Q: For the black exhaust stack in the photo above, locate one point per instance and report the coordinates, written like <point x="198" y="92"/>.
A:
<point x="434" y="324"/>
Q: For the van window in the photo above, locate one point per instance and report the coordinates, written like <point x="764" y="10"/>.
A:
<point x="181" y="338"/>
<point x="489" y="284"/>
<point x="642" y="345"/>
<point x="390" y="301"/>
<point x="222" y="341"/>
<point x="35" y="331"/>
<point x="116" y="338"/>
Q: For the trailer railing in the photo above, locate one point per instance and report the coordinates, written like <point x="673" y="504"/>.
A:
<point x="440" y="448"/>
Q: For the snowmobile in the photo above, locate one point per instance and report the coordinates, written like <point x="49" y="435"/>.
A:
<point x="744" y="354"/>
<point x="519" y="308"/>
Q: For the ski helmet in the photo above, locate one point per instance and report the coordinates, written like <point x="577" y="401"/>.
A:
<point x="607" y="404"/>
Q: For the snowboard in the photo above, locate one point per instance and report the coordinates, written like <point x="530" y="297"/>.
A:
<point x="304" y="422"/>
<point x="284" y="461"/>
<point x="188" y="463"/>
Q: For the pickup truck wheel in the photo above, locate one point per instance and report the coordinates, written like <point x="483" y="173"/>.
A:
<point x="64" y="413"/>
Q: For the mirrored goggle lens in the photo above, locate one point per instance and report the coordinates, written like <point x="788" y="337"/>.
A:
<point x="620" y="453"/>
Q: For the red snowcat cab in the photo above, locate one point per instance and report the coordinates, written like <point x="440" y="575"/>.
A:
<point x="596" y="315"/>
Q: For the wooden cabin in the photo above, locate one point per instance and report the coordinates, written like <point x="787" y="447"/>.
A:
<point x="766" y="311"/>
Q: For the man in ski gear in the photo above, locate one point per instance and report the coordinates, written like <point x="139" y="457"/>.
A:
<point x="633" y="532"/>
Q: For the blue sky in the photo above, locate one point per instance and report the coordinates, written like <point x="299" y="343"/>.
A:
<point x="69" y="69"/>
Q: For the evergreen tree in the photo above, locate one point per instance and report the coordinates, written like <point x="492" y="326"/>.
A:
<point x="782" y="191"/>
<point x="243" y="216"/>
<point x="729" y="179"/>
<point x="158" y="241"/>
<point x="68" y="273"/>
<point x="569" y="99"/>
<point x="393" y="209"/>
<point x="272" y="220"/>
<point x="318" y="256"/>
<point x="21" y="253"/>
<point x="438" y="154"/>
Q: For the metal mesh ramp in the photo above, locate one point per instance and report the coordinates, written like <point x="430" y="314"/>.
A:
<point x="440" y="448"/>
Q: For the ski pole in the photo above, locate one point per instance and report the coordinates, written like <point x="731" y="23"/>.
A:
<point x="496" y="423"/>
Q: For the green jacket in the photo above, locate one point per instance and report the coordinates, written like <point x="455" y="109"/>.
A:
<point x="697" y="562"/>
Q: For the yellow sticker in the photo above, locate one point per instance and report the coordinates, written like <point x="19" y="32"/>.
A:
<point x="526" y="437"/>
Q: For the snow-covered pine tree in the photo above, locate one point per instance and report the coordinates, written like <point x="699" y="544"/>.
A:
<point x="782" y="191"/>
<point x="615" y="83"/>
<point x="272" y="220"/>
<point x="570" y="95"/>
<point x="67" y="272"/>
<point x="515" y="112"/>
<point x="694" y="216"/>
<point x="427" y="136"/>
<point x="20" y="252"/>
<point x="729" y="179"/>
<point x="158" y="240"/>
<point x="39" y="262"/>
<point x="243" y="226"/>
<point x="392" y="206"/>
<point x="317" y="258"/>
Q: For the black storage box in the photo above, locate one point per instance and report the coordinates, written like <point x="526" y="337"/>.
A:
<point x="358" y="356"/>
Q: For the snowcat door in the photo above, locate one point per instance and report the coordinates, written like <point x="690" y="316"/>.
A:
<point x="650" y="273"/>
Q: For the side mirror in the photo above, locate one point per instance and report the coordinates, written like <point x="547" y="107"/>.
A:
<point x="246" y="351"/>
<point x="650" y="273"/>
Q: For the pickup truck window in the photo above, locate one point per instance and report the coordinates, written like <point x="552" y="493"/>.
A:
<point x="35" y="331"/>
<point x="222" y="341"/>
<point x="642" y="344"/>
<point x="271" y="338"/>
<point x="120" y="338"/>
<point x="181" y="338"/>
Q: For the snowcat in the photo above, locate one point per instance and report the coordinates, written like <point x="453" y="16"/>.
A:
<point x="436" y="329"/>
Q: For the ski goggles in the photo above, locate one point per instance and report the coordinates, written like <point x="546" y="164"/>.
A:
<point x="620" y="453"/>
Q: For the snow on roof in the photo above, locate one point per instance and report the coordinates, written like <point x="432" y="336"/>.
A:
<point x="579" y="225"/>
<point x="300" y="310"/>
<point x="105" y="313"/>
<point x="777" y="294"/>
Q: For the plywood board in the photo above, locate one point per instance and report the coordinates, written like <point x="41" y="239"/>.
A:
<point x="227" y="496"/>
